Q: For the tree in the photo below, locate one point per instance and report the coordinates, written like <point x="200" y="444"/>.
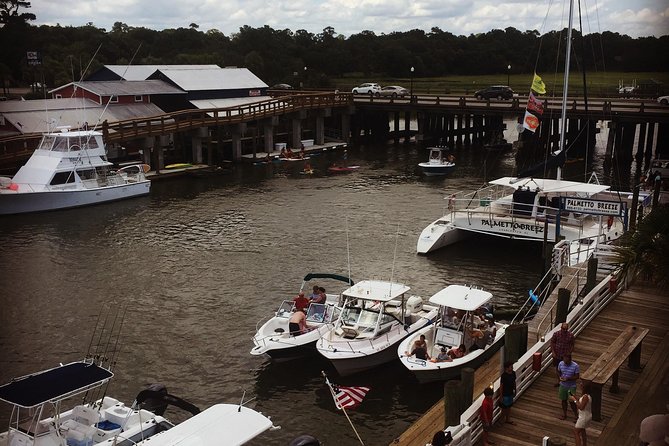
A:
<point x="647" y="249"/>
<point x="9" y="12"/>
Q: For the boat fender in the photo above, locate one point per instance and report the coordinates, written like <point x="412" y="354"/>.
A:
<point x="534" y="297"/>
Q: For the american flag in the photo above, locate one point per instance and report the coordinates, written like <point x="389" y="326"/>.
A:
<point x="348" y="397"/>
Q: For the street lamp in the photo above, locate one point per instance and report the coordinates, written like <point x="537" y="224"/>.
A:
<point x="411" y="86"/>
<point x="508" y="75"/>
<point x="305" y="77"/>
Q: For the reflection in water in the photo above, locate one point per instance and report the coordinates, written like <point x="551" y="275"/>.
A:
<point x="201" y="260"/>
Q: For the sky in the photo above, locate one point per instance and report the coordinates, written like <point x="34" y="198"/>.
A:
<point x="636" y="18"/>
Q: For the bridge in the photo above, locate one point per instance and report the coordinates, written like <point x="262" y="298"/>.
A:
<point x="290" y="116"/>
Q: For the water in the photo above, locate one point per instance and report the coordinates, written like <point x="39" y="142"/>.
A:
<point x="201" y="260"/>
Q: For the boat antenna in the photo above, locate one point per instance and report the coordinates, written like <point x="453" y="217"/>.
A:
<point x="565" y="87"/>
<point x="397" y="237"/>
<point x="348" y="252"/>
<point x="241" y="403"/>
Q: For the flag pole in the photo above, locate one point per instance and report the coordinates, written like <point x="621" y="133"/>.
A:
<point x="334" y="398"/>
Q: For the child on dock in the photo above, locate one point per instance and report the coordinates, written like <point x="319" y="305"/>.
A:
<point x="486" y="415"/>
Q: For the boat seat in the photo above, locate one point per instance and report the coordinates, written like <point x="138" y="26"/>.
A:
<point x="448" y="337"/>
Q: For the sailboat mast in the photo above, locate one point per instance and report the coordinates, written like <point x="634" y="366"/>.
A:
<point x="565" y="88"/>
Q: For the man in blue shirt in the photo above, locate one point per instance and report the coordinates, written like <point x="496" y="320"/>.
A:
<point x="569" y="373"/>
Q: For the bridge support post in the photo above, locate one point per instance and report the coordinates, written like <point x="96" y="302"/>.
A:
<point x="319" y="137"/>
<point x="591" y="279"/>
<point x="268" y="133"/>
<point x="452" y="402"/>
<point x="515" y="342"/>
<point x="196" y="143"/>
<point x="562" y="306"/>
<point x="237" y="132"/>
<point x="297" y="130"/>
<point x="346" y="125"/>
<point x="407" y="126"/>
<point x="650" y="136"/>
<point x="467" y="378"/>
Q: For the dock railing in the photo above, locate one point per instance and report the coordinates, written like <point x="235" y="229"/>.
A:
<point x="469" y="430"/>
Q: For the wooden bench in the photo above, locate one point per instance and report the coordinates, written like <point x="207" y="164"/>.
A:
<point x="626" y="345"/>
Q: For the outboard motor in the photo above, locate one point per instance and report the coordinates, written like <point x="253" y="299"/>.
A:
<point x="414" y="304"/>
<point x="156" y="405"/>
<point x="305" y="440"/>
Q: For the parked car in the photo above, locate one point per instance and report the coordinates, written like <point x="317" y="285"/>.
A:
<point x="494" y="91"/>
<point x="367" y="88"/>
<point x="664" y="100"/>
<point x="394" y="91"/>
<point x="281" y="87"/>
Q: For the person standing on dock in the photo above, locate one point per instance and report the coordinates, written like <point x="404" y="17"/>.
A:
<point x="486" y="414"/>
<point x="562" y="343"/>
<point x="508" y="390"/>
<point x="569" y="372"/>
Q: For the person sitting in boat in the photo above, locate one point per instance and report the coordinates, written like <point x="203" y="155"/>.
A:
<point x="450" y="158"/>
<point x="478" y="339"/>
<point x="458" y="352"/>
<point x="443" y="356"/>
<point x="283" y="153"/>
<point x="419" y="349"/>
<point x="289" y="153"/>
<point x="300" y="301"/>
<point x="303" y="154"/>
<point x="490" y="332"/>
<point x="297" y="324"/>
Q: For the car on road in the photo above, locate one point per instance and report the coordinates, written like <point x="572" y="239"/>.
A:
<point x="494" y="91"/>
<point x="664" y="100"/>
<point x="394" y="91"/>
<point x="281" y="87"/>
<point x="369" y="88"/>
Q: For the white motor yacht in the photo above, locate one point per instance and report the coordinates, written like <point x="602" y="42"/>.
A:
<point x="449" y="332"/>
<point x="376" y="316"/>
<point x="70" y="169"/>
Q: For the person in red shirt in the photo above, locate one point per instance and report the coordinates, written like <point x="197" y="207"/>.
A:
<point x="301" y="302"/>
<point x="562" y="343"/>
<point x="486" y="414"/>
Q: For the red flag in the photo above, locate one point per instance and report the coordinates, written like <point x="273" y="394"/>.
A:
<point x="530" y="122"/>
<point x="534" y="104"/>
<point x="349" y="397"/>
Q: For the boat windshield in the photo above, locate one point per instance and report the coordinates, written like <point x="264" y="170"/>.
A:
<point x="285" y="309"/>
<point x="322" y="313"/>
<point x="46" y="143"/>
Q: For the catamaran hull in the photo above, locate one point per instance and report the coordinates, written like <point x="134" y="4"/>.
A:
<point x="438" y="235"/>
<point x="24" y="202"/>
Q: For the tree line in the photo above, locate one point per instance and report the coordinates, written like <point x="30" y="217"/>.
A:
<point x="69" y="53"/>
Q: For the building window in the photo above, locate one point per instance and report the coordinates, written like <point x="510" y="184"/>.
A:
<point x="139" y="98"/>
<point x="59" y="96"/>
<point x="113" y="99"/>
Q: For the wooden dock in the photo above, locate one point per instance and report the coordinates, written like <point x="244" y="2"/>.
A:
<point x="642" y="393"/>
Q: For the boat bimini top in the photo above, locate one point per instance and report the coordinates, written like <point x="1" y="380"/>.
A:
<point x="54" y="384"/>
<point x="461" y="297"/>
<point x="550" y="186"/>
<point x="376" y="290"/>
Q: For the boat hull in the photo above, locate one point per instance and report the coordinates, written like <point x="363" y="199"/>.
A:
<point x="431" y="170"/>
<point x="25" y="202"/>
<point x="355" y="356"/>
<point x="426" y="371"/>
<point x="438" y="234"/>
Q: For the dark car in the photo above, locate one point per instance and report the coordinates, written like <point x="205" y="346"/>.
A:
<point x="494" y="91"/>
<point x="281" y="87"/>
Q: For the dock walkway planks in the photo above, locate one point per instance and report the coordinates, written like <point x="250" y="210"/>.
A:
<point x="536" y="412"/>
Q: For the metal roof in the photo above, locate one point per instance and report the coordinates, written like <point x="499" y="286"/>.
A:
<point x="227" y="102"/>
<point x="124" y="87"/>
<point x="33" y="118"/>
<point x="53" y="384"/>
<point x="213" y="78"/>
<point x="376" y="290"/>
<point x="142" y="72"/>
<point x="550" y="186"/>
<point x="461" y="297"/>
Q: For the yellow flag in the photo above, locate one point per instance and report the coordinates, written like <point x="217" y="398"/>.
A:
<point x="538" y="85"/>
